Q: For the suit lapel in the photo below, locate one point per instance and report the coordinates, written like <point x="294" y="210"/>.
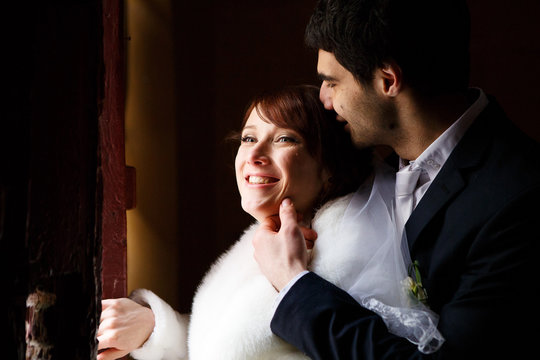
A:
<point x="443" y="188"/>
<point x="468" y="153"/>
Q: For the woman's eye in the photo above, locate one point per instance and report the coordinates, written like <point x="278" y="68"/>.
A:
<point x="287" y="139"/>
<point x="247" y="139"/>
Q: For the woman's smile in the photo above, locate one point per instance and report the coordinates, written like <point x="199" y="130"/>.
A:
<point x="272" y="164"/>
<point x="261" y="180"/>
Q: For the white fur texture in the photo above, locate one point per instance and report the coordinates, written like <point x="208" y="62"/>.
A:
<point x="232" y="310"/>
<point x="169" y="338"/>
<point x="234" y="303"/>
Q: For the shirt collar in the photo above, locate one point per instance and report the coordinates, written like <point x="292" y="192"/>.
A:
<point x="436" y="154"/>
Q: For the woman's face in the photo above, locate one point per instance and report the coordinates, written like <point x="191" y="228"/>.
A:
<point x="273" y="163"/>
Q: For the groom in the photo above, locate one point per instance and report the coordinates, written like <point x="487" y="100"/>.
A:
<point x="397" y="73"/>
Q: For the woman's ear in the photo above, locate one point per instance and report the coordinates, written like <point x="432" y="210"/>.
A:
<point x="389" y="78"/>
<point x="326" y="182"/>
<point x="326" y="177"/>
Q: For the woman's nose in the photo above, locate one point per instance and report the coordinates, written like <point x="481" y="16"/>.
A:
<point x="258" y="155"/>
<point x="325" y="97"/>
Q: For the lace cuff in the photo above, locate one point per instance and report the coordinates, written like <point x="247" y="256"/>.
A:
<point x="417" y="326"/>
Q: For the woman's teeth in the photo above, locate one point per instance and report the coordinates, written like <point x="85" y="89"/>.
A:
<point x="260" y="180"/>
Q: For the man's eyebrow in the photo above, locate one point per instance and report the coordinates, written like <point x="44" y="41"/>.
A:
<point x="324" y="77"/>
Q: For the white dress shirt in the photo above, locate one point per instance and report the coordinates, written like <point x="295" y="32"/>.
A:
<point x="430" y="161"/>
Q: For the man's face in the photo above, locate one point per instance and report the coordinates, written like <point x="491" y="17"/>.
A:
<point x="368" y="114"/>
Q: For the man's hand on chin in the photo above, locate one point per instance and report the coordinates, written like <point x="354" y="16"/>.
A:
<point x="281" y="246"/>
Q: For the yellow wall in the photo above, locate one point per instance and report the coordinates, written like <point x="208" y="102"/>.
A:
<point x="151" y="148"/>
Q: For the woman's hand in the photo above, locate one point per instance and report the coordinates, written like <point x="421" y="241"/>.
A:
<point x="281" y="246"/>
<point x="124" y="326"/>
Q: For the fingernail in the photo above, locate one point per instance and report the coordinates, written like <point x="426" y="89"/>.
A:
<point x="286" y="202"/>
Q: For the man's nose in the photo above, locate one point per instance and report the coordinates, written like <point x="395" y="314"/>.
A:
<point x="325" y="97"/>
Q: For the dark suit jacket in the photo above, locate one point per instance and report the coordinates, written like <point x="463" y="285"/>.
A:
<point x="476" y="236"/>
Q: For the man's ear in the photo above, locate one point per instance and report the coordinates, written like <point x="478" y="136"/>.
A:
<point x="389" y="78"/>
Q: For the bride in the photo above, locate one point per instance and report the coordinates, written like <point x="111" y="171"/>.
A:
<point x="290" y="147"/>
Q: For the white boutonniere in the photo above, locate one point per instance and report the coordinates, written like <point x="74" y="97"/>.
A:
<point x="413" y="284"/>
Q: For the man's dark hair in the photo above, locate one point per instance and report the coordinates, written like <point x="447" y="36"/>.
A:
<point x="428" y="39"/>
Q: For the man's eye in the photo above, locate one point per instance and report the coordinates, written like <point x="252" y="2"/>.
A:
<point x="328" y="84"/>
<point x="247" y="139"/>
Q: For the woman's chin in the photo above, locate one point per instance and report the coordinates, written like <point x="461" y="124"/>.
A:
<point x="261" y="212"/>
